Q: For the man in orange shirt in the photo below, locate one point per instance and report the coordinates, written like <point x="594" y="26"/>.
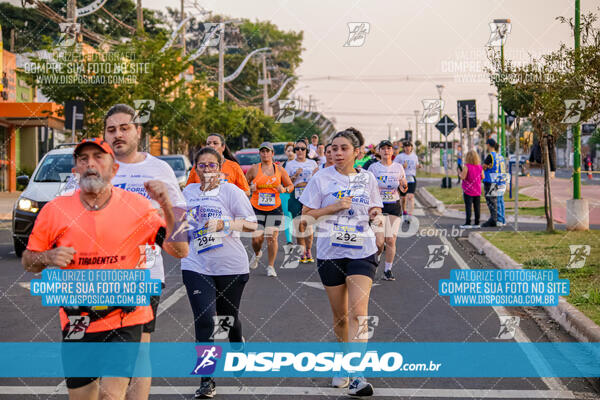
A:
<point x="230" y="169"/>
<point x="101" y="227"/>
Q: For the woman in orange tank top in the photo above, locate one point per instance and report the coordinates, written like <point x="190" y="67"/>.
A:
<point x="267" y="180"/>
<point x="231" y="170"/>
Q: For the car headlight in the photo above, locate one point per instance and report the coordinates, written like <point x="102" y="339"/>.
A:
<point x="25" y="204"/>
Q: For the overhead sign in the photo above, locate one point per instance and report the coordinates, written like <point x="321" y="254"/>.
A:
<point x="467" y="108"/>
<point x="588" y="128"/>
<point x="445" y="125"/>
<point x="440" y="145"/>
<point x="74" y="114"/>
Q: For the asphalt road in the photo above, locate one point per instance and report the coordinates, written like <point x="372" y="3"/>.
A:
<point x="294" y="307"/>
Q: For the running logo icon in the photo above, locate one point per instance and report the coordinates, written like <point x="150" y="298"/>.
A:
<point x="573" y="109"/>
<point x="437" y="254"/>
<point x="579" y="253"/>
<point x="357" y="33"/>
<point x="223" y="324"/>
<point x="143" y="110"/>
<point x="287" y="111"/>
<point x="78" y="324"/>
<point x="366" y="326"/>
<point x="293" y="252"/>
<point x="508" y="327"/>
<point x="207" y="359"/>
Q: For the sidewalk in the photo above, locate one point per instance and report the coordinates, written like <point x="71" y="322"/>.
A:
<point x="561" y="191"/>
<point x="7" y="202"/>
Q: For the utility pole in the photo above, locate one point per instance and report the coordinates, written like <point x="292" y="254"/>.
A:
<point x="265" y="85"/>
<point x="182" y="29"/>
<point x="221" y="93"/>
<point x="440" y="89"/>
<point x="140" y="18"/>
<point x="576" y="127"/>
<point x="310" y="101"/>
<point x="389" y="131"/>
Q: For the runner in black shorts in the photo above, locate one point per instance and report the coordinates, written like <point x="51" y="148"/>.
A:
<point x="267" y="180"/>
<point x="391" y="180"/>
<point x="345" y="201"/>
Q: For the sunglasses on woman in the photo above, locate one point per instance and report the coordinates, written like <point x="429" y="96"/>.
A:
<point x="299" y="148"/>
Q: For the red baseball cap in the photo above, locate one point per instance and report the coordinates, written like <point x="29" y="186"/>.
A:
<point x="104" y="146"/>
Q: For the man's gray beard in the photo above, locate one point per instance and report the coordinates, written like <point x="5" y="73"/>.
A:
<point x="92" y="184"/>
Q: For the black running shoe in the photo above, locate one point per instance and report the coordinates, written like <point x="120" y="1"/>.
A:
<point x="207" y="389"/>
<point x="388" y="276"/>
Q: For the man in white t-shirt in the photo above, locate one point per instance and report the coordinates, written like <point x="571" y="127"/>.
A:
<point x="123" y="134"/>
<point x="409" y="160"/>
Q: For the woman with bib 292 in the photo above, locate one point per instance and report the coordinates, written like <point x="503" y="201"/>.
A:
<point x="215" y="271"/>
<point x="345" y="202"/>
<point x="267" y="181"/>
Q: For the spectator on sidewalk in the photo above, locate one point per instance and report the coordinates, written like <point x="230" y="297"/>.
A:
<point x="459" y="160"/>
<point x="500" y="180"/>
<point x="490" y="166"/>
<point x="471" y="174"/>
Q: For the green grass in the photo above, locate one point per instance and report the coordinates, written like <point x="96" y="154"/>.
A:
<point x="424" y="174"/>
<point x="541" y="250"/>
<point x="454" y="195"/>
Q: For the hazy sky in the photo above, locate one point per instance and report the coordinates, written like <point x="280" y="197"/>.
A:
<point x="426" y="41"/>
<point x="411" y="47"/>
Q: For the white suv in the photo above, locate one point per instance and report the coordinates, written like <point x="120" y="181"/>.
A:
<point x="49" y="176"/>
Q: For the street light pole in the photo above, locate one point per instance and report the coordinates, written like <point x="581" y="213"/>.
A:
<point x="502" y="119"/>
<point x="576" y="127"/>
<point x="440" y="89"/>
<point x="221" y="94"/>
<point x="416" y="125"/>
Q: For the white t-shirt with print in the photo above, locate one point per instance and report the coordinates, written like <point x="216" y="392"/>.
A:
<point x="221" y="254"/>
<point x="131" y="177"/>
<point x="411" y="161"/>
<point x="388" y="180"/>
<point x="326" y="187"/>
<point x="308" y="166"/>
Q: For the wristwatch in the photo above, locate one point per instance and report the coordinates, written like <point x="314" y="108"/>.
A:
<point x="226" y="227"/>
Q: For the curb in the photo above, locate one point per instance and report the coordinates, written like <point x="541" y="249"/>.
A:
<point x="566" y="315"/>
<point x="430" y="200"/>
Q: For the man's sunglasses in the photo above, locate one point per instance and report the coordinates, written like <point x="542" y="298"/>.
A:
<point x="299" y="148"/>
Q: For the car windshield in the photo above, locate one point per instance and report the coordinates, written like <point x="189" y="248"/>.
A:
<point x="279" y="148"/>
<point x="54" y="168"/>
<point x="248" y="158"/>
<point x="175" y="162"/>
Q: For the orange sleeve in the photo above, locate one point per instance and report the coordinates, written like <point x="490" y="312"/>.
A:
<point x="285" y="178"/>
<point x="193" y="178"/>
<point x="240" y="178"/>
<point x="42" y="236"/>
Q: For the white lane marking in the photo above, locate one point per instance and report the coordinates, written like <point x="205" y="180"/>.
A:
<point x="520" y="336"/>
<point x="418" y="210"/>
<point x="324" y="391"/>
<point x="172" y="299"/>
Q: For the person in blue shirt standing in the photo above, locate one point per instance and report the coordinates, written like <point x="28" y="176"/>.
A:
<point x="490" y="168"/>
<point x="459" y="156"/>
<point x="501" y="187"/>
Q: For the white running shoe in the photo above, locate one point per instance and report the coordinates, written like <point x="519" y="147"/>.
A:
<point x="254" y="260"/>
<point x="360" y="387"/>
<point x="340" y="381"/>
<point x="271" y="271"/>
